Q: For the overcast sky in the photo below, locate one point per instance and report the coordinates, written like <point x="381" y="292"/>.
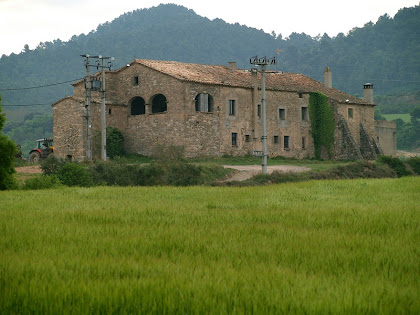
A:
<point x="34" y="21"/>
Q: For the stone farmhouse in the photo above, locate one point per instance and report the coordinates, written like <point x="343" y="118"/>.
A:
<point x="216" y="110"/>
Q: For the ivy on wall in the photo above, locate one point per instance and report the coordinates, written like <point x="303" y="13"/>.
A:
<point x="114" y="142"/>
<point x="322" y="123"/>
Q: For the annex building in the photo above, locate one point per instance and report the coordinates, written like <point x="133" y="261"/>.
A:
<point x="215" y="110"/>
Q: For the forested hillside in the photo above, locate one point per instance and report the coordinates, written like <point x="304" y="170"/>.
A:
<point x="385" y="53"/>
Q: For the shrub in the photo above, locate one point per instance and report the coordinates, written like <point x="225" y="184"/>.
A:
<point x="184" y="174"/>
<point x="150" y="175"/>
<point x="73" y="174"/>
<point x="51" y="164"/>
<point x="395" y="163"/>
<point x="414" y="163"/>
<point x="42" y="182"/>
<point x="111" y="173"/>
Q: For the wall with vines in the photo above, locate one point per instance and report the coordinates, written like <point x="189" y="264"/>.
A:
<point x="322" y="123"/>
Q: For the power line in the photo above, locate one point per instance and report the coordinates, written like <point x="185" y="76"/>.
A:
<point x="10" y="105"/>
<point x="40" y="86"/>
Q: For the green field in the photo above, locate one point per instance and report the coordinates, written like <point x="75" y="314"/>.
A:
<point x="405" y="117"/>
<point x="348" y="246"/>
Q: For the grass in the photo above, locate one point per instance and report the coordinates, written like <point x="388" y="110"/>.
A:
<point x="314" y="165"/>
<point x="348" y="246"/>
<point x="405" y="117"/>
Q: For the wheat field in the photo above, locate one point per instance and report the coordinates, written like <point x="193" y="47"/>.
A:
<point x="348" y="246"/>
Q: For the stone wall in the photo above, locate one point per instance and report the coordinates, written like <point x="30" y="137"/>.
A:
<point x="69" y="129"/>
<point x="386" y="135"/>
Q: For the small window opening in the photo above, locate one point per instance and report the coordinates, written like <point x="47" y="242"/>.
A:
<point x="282" y="114"/>
<point x="350" y="112"/>
<point x="286" y="142"/>
<point x="234" y="139"/>
<point x="204" y="103"/>
<point x="304" y="113"/>
<point x="303" y="142"/>
<point x="276" y="139"/>
<point x="232" y="109"/>
<point x="300" y="95"/>
<point x="136" y="80"/>
<point x="247" y="138"/>
<point x="110" y="111"/>
<point x="259" y="111"/>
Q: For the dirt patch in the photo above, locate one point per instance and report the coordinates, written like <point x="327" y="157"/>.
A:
<point x="407" y="154"/>
<point x="32" y="169"/>
<point x="245" y="172"/>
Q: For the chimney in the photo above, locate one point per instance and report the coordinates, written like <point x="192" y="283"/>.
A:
<point x="368" y="92"/>
<point x="328" y="77"/>
<point x="232" y="65"/>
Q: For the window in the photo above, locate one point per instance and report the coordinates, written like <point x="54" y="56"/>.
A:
<point x="204" y="103"/>
<point x="350" y="112"/>
<point x="259" y="111"/>
<point x="304" y="113"/>
<point x="234" y="139"/>
<point x="247" y="138"/>
<point x="136" y="80"/>
<point x="276" y="139"/>
<point x="232" y="109"/>
<point x="110" y="111"/>
<point x="282" y="114"/>
<point x="138" y="106"/>
<point x="159" y="104"/>
<point x="300" y="95"/>
<point x="303" y="142"/>
<point x="286" y="142"/>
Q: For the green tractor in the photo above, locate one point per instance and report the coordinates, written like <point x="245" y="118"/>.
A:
<point x="44" y="147"/>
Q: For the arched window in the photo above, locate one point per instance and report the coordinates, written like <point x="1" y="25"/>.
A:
<point x="138" y="106"/>
<point x="159" y="104"/>
<point x="204" y="103"/>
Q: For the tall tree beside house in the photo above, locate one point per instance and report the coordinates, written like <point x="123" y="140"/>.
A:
<point x="7" y="151"/>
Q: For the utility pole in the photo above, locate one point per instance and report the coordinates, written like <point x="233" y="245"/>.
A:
<point x="88" y="88"/>
<point x="103" y="113"/>
<point x="103" y="96"/>
<point x="263" y="62"/>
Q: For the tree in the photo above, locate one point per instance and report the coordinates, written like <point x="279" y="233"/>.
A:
<point x="7" y="151"/>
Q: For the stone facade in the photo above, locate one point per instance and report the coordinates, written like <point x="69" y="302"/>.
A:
<point x="386" y="136"/>
<point x="211" y="111"/>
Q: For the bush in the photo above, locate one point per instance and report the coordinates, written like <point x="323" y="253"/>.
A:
<point x="184" y="174"/>
<point x="42" y="182"/>
<point x="51" y="164"/>
<point x="395" y="163"/>
<point x="414" y="163"/>
<point x="113" y="173"/>
<point x="72" y="174"/>
<point x="150" y="175"/>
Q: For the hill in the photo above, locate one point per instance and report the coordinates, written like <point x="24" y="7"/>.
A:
<point x="385" y="53"/>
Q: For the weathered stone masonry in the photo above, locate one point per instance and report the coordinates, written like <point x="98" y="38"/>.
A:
<point x="211" y="111"/>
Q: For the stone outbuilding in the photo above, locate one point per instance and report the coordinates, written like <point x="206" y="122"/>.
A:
<point x="213" y="110"/>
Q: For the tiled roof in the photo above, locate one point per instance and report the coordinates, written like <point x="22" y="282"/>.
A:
<point x="221" y="75"/>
